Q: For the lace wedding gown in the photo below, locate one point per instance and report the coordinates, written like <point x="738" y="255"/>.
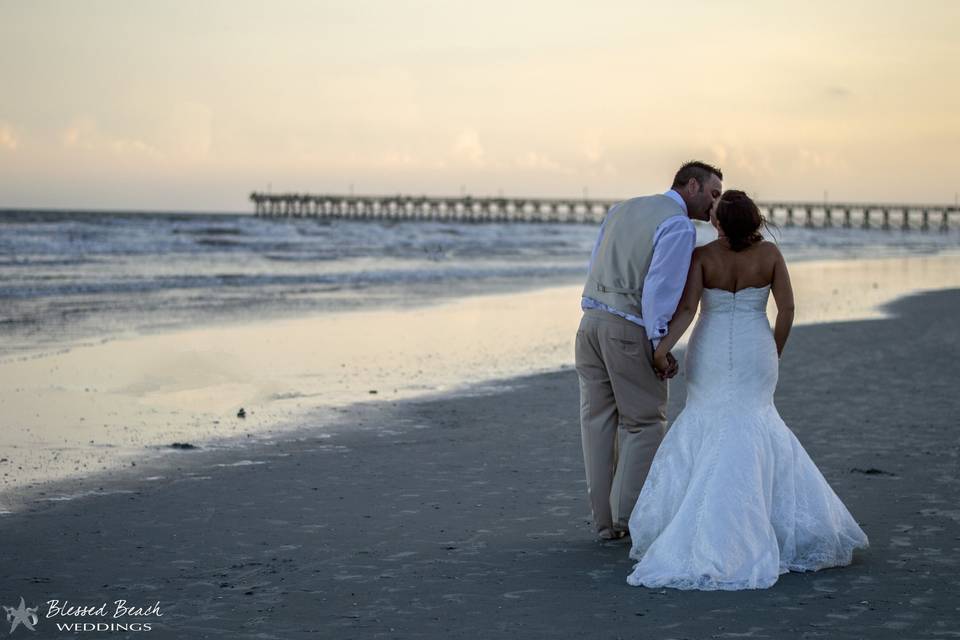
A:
<point x="732" y="499"/>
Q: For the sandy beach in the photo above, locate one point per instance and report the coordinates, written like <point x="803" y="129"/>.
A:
<point x="465" y="516"/>
<point x="101" y="407"/>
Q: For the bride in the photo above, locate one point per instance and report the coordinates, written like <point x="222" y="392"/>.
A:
<point x="732" y="499"/>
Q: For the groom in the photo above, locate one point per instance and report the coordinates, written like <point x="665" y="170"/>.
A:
<point x="637" y="273"/>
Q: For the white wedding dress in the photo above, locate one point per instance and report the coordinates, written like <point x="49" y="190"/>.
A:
<point x="732" y="499"/>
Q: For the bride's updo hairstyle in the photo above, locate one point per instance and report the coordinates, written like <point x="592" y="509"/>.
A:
<point x="739" y="219"/>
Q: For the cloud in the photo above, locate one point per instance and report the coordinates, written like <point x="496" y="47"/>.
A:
<point x="807" y="160"/>
<point x="84" y="134"/>
<point x="720" y="153"/>
<point x="590" y="146"/>
<point x="399" y="159"/>
<point x="538" y="161"/>
<point x="467" y="147"/>
<point x="185" y="134"/>
<point x="80" y="134"/>
<point x="608" y="169"/>
<point x="739" y="159"/>
<point x="8" y="139"/>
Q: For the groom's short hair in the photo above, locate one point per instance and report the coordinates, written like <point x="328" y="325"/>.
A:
<point x="699" y="171"/>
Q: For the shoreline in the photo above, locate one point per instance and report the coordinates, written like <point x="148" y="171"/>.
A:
<point x="466" y="516"/>
<point x="107" y="406"/>
<point x="56" y="317"/>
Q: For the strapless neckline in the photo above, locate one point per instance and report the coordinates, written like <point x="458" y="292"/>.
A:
<point x="738" y="290"/>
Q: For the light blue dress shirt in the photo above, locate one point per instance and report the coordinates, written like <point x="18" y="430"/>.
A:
<point x="673" y="244"/>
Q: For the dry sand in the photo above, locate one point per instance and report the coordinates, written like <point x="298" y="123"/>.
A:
<point x="466" y="517"/>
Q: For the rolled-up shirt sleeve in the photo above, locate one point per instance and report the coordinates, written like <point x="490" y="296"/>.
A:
<point x="673" y="247"/>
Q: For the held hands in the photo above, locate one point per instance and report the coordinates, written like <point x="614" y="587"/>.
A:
<point x="665" y="365"/>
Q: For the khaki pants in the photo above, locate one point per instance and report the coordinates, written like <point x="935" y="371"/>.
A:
<point x="623" y="413"/>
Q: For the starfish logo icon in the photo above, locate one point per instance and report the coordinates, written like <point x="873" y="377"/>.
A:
<point x="27" y="616"/>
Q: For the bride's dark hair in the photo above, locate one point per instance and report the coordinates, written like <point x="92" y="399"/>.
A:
<point x="740" y="219"/>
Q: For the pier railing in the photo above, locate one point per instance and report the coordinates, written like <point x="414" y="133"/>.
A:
<point x="559" y="210"/>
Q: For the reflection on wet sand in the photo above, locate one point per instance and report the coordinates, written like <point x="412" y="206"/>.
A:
<point x="103" y="406"/>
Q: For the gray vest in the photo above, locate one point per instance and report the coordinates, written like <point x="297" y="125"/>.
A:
<point x="623" y="257"/>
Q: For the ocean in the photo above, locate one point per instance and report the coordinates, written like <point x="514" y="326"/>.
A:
<point x="75" y="277"/>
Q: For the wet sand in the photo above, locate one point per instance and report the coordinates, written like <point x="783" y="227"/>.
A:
<point x="465" y="516"/>
<point x="105" y="406"/>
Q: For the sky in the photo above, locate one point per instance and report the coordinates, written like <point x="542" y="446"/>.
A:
<point x="191" y="105"/>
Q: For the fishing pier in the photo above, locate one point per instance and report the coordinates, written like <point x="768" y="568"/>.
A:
<point x="586" y="211"/>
